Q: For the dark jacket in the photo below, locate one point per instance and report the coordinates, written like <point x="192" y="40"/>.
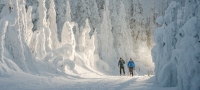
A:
<point x="121" y="63"/>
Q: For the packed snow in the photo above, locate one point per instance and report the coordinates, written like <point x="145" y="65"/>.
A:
<point x="22" y="81"/>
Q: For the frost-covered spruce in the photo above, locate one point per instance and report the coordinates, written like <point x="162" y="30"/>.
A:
<point x="181" y="68"/>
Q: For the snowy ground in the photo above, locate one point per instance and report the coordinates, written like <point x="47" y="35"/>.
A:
<point x="84" y="82"/>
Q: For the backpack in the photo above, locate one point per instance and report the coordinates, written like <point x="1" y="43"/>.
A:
<point x="121" y="63"/>
<point x="131" y="64"/>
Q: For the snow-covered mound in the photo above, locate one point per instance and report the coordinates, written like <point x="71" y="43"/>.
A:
<point x="176" y="53"/>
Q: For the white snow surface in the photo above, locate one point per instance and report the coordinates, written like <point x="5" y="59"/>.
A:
<point x="22" y="81"/>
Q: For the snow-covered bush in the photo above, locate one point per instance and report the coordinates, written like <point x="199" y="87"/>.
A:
<point x="176" y="53"/>
<point x="165" y="38"/>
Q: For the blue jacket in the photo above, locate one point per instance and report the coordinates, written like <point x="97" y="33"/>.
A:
<point x="131" y="64"/>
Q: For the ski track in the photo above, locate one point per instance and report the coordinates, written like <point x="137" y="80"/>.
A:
<point x="81" y="83"/>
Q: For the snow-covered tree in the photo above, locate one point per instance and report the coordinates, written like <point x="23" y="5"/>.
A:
<point x="176" y="53"/>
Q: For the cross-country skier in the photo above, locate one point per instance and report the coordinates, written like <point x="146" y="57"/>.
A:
<point x="131" y="66"/>
<point x="121" y="66"/>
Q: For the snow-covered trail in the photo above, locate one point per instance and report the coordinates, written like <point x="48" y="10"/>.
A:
<point x="85" y="82"/>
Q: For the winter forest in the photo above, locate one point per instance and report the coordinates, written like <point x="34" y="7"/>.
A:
<point x="77" y="44"/>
